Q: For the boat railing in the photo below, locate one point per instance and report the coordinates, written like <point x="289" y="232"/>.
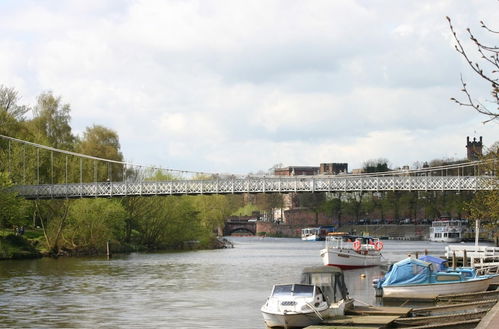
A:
<point x="333" y="242"/>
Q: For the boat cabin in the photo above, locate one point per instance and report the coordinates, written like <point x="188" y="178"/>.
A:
<point x="329" y="279"/>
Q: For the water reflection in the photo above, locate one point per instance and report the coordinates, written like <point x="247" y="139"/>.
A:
<point x="199" y="289"/>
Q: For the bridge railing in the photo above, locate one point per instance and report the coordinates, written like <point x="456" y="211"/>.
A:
<point x="260" y="185"/>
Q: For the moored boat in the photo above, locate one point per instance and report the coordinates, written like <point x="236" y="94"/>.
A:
<point x="350" y="252"/>
<point x="321" y="294"/>
<point x="447" y="230"/>
<point x="316" y="233"/>
<point x="310" y="234"/>
<point x="415" y="279"/>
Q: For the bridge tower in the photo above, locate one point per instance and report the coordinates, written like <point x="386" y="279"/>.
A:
<point x="474" y="148"/>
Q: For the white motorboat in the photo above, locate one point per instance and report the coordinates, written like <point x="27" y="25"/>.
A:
<point x="350" y="252"/>
<point x="416" y="279"/>
<point x="322" y="294"/>
<point x="310" y="234"/>
<point x="316" y="233"/>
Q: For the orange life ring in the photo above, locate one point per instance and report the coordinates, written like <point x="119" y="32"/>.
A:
<point x="378" y="245"/>
<point x="356" y="245"/>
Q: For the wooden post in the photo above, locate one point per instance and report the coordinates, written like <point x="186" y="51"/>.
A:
<point x="465" y="258"/>
<point x="453" y="260"/>
<point x="417" y="255"/>
<point x="426" y="252"/>
<point x="108" y="250"/>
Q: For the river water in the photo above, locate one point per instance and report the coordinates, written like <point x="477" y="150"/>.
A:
<point x="197" y="289"/>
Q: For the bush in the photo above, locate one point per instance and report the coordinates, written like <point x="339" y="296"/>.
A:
<point x="16" y="247"/>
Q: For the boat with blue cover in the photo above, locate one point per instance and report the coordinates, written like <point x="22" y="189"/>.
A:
<point x="419" y="279"/>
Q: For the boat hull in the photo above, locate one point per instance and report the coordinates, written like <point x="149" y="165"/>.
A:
<point x="292" y="320"/>
<point x="311" y="238"/>
<point x="430" y="291"/>
<point x="349" y="259"/>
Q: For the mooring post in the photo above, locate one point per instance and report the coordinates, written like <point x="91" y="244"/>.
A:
<point x="426" y="252"/>
<point x="417" y="255"/>
<point x="453" y="260"/>
<point x="108" y="250"/>
<point x="465" y="258"/>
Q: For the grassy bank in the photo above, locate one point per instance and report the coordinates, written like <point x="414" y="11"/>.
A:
<point x="17" y="247"/>
<point x="31" y="245"/>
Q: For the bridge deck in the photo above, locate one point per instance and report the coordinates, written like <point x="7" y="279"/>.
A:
<point x="273" y="184"/>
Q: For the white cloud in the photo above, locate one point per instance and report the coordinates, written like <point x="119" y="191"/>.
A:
<point x="240" y="86"/>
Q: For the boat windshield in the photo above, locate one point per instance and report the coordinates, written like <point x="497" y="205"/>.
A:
<point x="303" y="290"/>
<point x="300" y="290"/>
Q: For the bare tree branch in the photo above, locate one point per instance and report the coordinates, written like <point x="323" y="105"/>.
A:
<point x="489" y="56"/>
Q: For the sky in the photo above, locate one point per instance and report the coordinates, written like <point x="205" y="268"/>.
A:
<point x="241" y="86"/>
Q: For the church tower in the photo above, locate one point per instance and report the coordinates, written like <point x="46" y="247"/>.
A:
<point x="474" y="148"/>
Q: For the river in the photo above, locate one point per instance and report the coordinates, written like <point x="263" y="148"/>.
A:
<point x="196" y="289"/>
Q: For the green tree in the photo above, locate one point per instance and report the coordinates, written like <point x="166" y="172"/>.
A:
<point x="51" y="122"/>
<point x="334" y="208"/>
<point x="13" y="210"/>
<point x="213" y="210"/>
<point x="166" y="222"/>
<point x="11" y="113"/>
<point x="92" y="222"/>
<point x="485" y="204"/>
<point x="102" y="142"/>
<point x="52" y="216"/>
<point x="376" y="165"/>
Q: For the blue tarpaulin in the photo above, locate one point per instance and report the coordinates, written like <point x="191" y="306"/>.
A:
<point x="439" y="264"/>
<point x="408" y="271"/>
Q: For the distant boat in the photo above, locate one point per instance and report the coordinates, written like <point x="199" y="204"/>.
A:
<point x="350" y="252"/>
<point x="321" y="294"/>
<point x="447" y="230"/>
<point x="310" y="234"/>
<point x="415" y="279"/>
<point x="316" y="233"/>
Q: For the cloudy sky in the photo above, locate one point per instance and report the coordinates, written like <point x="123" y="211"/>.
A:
<point x="239" y="86"/>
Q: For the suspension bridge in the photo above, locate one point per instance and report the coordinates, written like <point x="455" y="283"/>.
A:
<point x="42" y="172"/>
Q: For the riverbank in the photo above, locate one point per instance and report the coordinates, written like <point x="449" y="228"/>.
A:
<point x="30" y="245"/>
<point x="17" y="247"/>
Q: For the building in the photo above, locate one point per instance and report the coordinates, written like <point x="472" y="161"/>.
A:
<point x="333" y="168"/>
<point x="474" y="148"/>
<point x="296" y="171"/>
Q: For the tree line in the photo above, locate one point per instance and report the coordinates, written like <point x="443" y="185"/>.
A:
<point x="86" y="225"/>
<point x="152" y="223"/>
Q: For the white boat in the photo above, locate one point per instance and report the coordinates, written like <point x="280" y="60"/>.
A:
<point x="350" y="252"/>
<point x="322" y="294"/>
<point x="447" y="230"/>
<point x="316" y="233"/>
<point x="310" y="234"/>
<point x="415" y="279"/>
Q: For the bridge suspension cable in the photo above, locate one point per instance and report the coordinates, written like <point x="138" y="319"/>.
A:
<point x="137" y="171"/>
<point x="56" y="178"/>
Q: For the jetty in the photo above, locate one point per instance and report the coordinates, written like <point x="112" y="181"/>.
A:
<point x="485" y="258"/>
<point x="456" y="311"/>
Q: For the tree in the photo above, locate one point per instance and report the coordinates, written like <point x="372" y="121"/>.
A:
<point x="52" y="216"/>
<point x="52" y="122"/>
<point x="485" y="204"/>
<point x="11" y="114"/>
<point x="334" y="207"/>
<point x="486" y="68"/>
<point x="12" y="208"/>
<point x="93" y="222"/>
<point x="376" y="165"/>
<point x="102" y="142"/>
